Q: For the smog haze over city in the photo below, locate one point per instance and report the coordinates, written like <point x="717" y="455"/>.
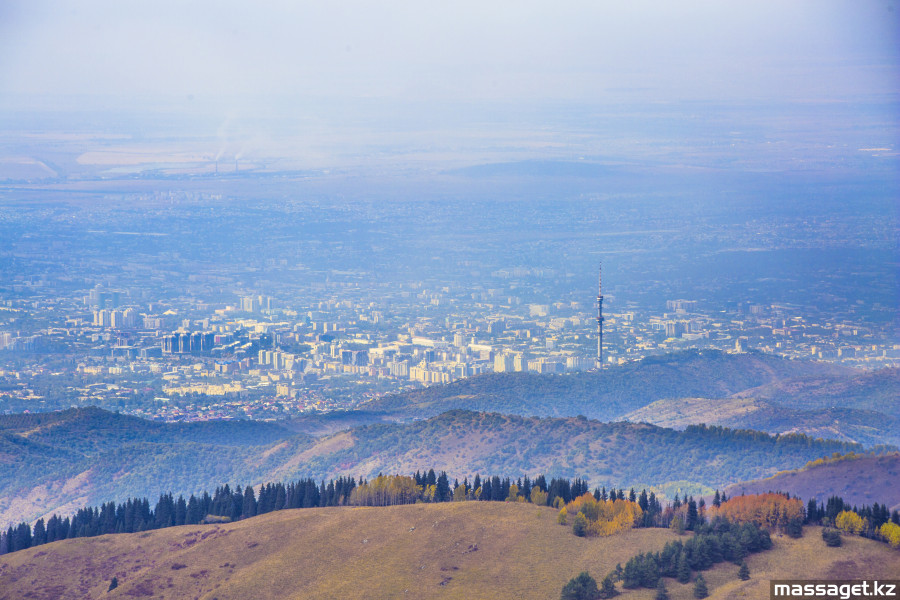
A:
<point x="229" y="209"/>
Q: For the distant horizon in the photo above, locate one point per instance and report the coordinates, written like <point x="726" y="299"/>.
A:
<point x="510" y="52"/>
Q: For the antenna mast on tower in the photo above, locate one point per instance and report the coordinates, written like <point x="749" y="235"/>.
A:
<point x="600" y="317"/>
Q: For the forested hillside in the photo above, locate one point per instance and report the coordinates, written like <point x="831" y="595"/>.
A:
<point x="464" y="442"/>
<point x="66" y="459"/>
<point x="63" y="460"/>
<point x="47" y="467"/>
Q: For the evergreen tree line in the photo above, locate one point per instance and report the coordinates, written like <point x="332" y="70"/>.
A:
<point x="134" y="515"/>
<point x="876" y="515"/>
<point x="497" y="489"/>
<point x="714" y="542"/>
<point x="232" y="504"/>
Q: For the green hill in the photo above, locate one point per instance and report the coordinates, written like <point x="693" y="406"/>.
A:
<point x="451" y="550"/>
<point x="63" y="460"/>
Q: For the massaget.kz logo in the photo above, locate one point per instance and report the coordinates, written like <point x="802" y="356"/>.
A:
<point x="833" y="590"/>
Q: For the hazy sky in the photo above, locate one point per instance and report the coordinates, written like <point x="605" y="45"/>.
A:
<point x="820" y="50"/>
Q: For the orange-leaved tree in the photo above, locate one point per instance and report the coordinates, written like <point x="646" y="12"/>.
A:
<point x="774" y="511"/>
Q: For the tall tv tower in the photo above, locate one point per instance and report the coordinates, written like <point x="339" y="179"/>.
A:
<point x="600" y="317"/>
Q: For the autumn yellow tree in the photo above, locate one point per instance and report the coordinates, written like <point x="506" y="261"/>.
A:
<point x="513" y="493"/>
<point x="891" y="534"/>
<point x="538" y="496"/>
<point x="386" y="490"/>
<point x="459" y="494"/>
<point x="850" y="522"/>
<point x="605" y="517"/>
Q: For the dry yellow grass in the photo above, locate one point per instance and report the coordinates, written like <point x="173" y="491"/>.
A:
<point x="454" y="550"/>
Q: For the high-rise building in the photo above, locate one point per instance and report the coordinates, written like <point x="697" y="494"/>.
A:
<point x="503" y="363"/>
<point x="250" y="304"/>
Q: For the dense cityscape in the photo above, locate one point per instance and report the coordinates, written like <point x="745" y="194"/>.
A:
<point x="327" y="338"/>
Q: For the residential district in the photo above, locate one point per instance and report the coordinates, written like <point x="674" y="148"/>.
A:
<point x="268" y="357"/>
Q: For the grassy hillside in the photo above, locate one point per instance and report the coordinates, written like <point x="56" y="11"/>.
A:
<point x="453" y="550"/>
<point x="863" y="480"/>
<point x="852" y="425"/>
<point x="613" y="393"/>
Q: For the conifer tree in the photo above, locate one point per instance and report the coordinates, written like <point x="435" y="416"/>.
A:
<point x="684" y="569"/>
<point x="442" y="490"/>
<point x="831" y="536"/>
<point x="643" y="501"/>
<point x="180" y="511"/>
<point x="661" y="592"/>
<point x="607" y="587"/>
<point x="39" y="536"/>
<point x="700" y="590"/>
<point x="692" y="519"/>
<point x="498" y="490"/>
<point x="581" y="587"/>
<point x="744" y="571"/>
<point x="248" y="505"/>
